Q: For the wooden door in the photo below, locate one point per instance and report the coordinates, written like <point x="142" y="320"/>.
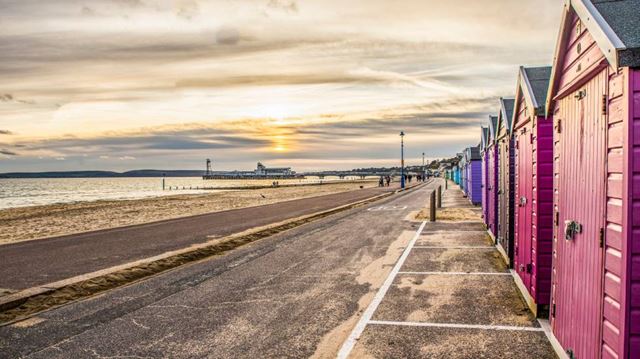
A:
<point x="581" y="198"/>
<point x="523" y="205"/>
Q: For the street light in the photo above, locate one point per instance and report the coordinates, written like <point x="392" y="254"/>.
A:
<point x="402" y="159"/>
<point x="423" y="171"/>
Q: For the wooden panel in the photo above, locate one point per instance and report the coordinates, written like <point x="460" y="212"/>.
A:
<point x="587" y="61"/>
<point x="582" y="193"/>
<point x="614" y="185"/>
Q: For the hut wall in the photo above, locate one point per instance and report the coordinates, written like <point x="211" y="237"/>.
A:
<point x="485" y="189"/>
<point x="596" y="170"/>
<point x="505" y="195"/>
<point x="492" y="189"/>
<point x="542" y="209"/>
<point x="633" y="329"/>
<point x="475" y="181"/>
<point x="533" y="212"/>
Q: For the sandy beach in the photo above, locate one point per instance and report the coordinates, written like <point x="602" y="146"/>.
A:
<point x="28" y="223"/>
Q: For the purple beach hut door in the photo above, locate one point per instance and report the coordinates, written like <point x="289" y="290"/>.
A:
<point x="581" y="132"/>
<point x="523" y="205"/>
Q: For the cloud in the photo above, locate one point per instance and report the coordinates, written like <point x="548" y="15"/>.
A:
<point x="126" y="158"/>
<point x="6" y="152"/>
<point x="188" y="9"/>
<point x="11" y="98"/>
<point x="227" y="35"/>
<point x="182" y="138"/>
<point x="286" y="6"/>
<point x="6" y="132"/>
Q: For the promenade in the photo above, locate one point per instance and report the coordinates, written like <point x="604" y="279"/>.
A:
<point x="38" y="262"/>
<point x="450" y="295"/>
<point x="371" y="281"/>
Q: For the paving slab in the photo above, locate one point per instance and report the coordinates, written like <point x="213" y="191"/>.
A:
<point x="449" y="226"/>
<point x="454" y="260"/>
<point x="459" y="299"/>
<point x="453" y="239"/>
<point x="382" y="341"/>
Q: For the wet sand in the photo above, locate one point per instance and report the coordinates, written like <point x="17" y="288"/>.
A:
<point x="28" y="223"/>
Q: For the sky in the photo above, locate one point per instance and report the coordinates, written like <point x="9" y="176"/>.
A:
<point x="323" y="84"/>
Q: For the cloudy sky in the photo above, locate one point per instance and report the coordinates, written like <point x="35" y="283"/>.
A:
<point x="313" y="84"/>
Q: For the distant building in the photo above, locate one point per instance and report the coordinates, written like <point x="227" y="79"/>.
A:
<point x="262" y="170"/>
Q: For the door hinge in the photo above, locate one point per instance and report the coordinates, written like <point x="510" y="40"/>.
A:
<point x="529" y="268"/>
<point x="531" y="137"/>
<point x="556" y="221"/>
<point x="553" y="310"/>
<point x="604" y="105"/>
<point x="601" y="237"/>
<point x="559" y="126"/>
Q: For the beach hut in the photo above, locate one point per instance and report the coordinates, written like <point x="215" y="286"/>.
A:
<point x="533" y="212"/>
<point x="505" y="147"/>
<point x="492" y="178"/>
<point x="484" y="139"/>
<point x="473" y="163"/>
<point x="463" y="173"/>
<point x="457" y="169"/>
<point x="594" y="97"/>
<point x="456" y="174"/>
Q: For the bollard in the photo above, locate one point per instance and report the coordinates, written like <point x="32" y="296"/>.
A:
<point x="439" y="198"/>
<point x="432" y="207"/>
<point x="446" y="184"/>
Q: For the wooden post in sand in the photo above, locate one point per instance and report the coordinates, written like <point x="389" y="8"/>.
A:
<point x="439" y="199"/>
<point x="432" y="207"/>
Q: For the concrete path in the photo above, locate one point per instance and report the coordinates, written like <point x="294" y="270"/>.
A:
<point x="449" y="296"/>
<point x="296" y="294"/>
<point x="38" y="262"/>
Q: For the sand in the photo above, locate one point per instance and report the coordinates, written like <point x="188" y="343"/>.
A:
<point x="28" y="223"/>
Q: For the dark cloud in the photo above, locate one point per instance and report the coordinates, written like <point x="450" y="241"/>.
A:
<point x="11" y="98"/>
<point x="6" y="132"/>
<point x="227" y="35"/>
<point x="6" y="152"/>
<point x="201" y="138"/>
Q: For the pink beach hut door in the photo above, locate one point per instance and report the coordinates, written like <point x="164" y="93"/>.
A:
<point x="523" y="203"/>
<point x="581" y="142"/>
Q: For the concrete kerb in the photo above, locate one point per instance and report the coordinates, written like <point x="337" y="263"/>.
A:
<point x="23" y="304"/>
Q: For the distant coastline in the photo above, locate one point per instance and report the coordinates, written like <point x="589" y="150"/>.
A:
<point x="104" y="174"/>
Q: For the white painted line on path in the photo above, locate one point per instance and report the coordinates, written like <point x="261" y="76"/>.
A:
<point x="348" y="345"/>
<point x="455" y="273"/>
<point x="454" y="247"/>
<point x="457" y="326"/>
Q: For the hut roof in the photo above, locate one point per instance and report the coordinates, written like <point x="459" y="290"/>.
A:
<point x="473" y="153"/>
<point x="539" y="81"/>
<point x="506" y="113"/>
<point x="533" y="83"/>
<point x="493" y="129"/>
<point x="484" y="136"/>
<point x="613" y="24"/>
<point x="622" y="17"/>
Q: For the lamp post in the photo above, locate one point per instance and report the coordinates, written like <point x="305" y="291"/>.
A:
<point x="423" y="171"/>
<point x="402" y="159"/>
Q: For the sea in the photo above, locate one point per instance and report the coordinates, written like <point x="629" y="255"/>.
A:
<point x="42" y="191"/>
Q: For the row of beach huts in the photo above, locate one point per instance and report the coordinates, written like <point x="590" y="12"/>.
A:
<point x="557" y="173"/>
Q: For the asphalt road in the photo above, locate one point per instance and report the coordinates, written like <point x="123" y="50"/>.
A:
<point x="294" y="295"/>
<point x="38" y="262"/>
